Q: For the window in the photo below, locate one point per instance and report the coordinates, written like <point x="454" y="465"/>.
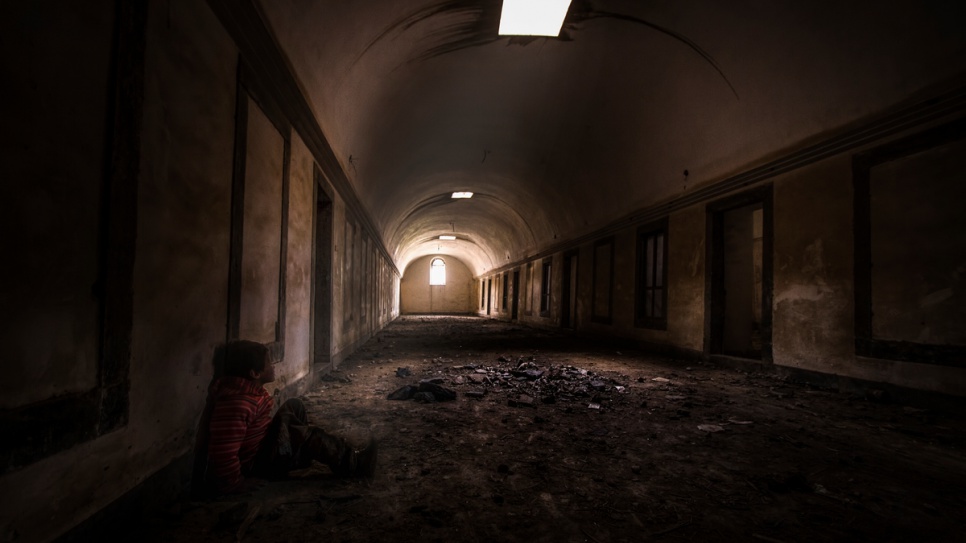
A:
<point x="651" y="292"/>
<point x="545" y="289"/>
<point x="437" y="272"/>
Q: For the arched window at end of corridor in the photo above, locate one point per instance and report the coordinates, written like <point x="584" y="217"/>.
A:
<point x="437" y="272"/>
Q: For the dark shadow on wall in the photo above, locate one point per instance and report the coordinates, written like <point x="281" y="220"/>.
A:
<point x="200" y="455"/>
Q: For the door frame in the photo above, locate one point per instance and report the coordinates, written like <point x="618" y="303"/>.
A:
<point x="321" y="312"/>
<point x="714" y="309"/>
<point x="515" y="285"/>
<point x="568" y="303"/>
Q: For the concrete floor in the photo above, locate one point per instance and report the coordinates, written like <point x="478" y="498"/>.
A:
<point x="638" y="448"/>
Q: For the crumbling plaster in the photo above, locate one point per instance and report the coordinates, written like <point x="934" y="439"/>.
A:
<point x="813" y="296"/>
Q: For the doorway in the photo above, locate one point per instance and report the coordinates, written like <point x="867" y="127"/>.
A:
<point x="489" y="294"/>
<point x="514" y="310"/>
<point x="568" y="306"/>
<point x="322" y="276"/>
<point x="739" y="315"/>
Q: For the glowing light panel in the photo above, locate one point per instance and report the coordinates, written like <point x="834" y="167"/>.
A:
<point x="533" y="17"/>
<point x="462" y="195"/>
<point x="449" y="238"/>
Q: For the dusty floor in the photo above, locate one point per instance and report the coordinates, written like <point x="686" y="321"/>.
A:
<point x="632" y="448"/>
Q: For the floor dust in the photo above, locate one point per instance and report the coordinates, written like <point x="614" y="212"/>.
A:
<point x="575" y="441"/>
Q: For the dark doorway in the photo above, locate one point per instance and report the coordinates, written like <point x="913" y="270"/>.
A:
<point x="740" y="276"/>
<point x="568" y="305"/>
<point x="322" y="278"/>
<point x="514" y="311"/>
<point x="505" y="294"/>
<point x="489" y="294"/>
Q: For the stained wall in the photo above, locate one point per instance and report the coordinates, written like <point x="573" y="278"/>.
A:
<point x="814" y="301"/>
<point x="416" y="295"/>
<point x="99" y="415"/>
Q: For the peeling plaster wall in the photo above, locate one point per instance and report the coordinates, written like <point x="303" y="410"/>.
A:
<point x="418" y="296"/>
<point x="180" y="275"/>
<point x="686" y="273"/>
<point x="296" y="365"/>
<point x="56" y="154"/>
<point x="365" y="297"/>
<point x="686" y="261"/>
<point x="919" y="246"/>
<point x="813" y="297"/>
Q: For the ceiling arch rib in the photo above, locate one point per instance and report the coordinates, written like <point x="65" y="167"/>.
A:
<point x="574" y="133"/>
<point x="489" y="231"/>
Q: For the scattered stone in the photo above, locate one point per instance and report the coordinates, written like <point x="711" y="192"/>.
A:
<point x="710" y="428"/>
<point x="474" y="394"/>
<point x="403" y="393"/>
<point x="424" y="397"/>
<point x="530" y="374"/>
<point x="521" y="401"/>
<point x="458" y="380"/>
<point x="661" y="380"/>
<point x="335" y="377"/>
<point x="476" y="378"/>
<point x="440" y="393"/>
<point x="403" y="372"/>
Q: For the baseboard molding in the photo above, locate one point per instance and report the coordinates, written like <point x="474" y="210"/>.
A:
<point x="873" y="391"/>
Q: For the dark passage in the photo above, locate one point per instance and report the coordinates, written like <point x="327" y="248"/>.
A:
<point x="555" y="439"/>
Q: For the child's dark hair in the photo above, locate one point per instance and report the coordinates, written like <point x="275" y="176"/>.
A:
<point x="242" y="355"/>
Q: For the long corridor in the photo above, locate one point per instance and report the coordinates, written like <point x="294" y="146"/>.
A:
<point x="552" y="438"/>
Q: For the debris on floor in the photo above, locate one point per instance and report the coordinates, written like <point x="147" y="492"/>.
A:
<point x="550" y="438"/>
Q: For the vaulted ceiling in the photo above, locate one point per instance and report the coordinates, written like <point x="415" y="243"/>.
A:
<point x="558" y="137"/>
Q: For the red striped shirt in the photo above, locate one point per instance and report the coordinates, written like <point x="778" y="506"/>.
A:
<point x="239" y="420"/>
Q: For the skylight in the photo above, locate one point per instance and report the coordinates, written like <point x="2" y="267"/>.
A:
<point x="533" y="17"/>
<point x="448" y="238"/>
<point x="462" y="195"/>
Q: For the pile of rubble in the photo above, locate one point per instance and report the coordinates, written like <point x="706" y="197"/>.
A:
<point x="524" y="381"/>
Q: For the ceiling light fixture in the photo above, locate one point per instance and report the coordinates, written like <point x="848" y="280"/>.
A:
<point x="448" y="238"/>
<point x="533" y="17"/>
<point x="462" y="195"/>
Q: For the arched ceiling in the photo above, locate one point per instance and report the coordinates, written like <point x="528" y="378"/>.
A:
<point x="560" y="136"/>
